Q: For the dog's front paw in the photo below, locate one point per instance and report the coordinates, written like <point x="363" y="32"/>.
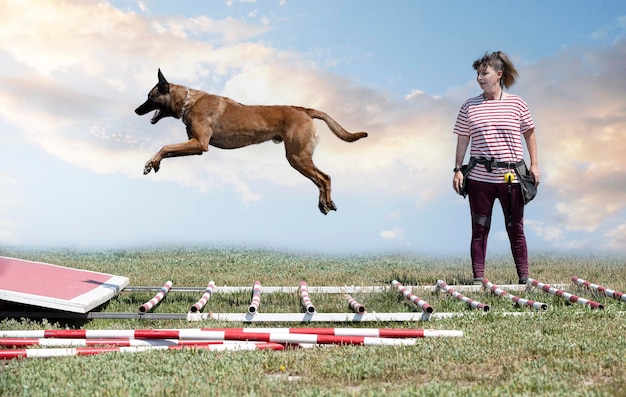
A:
<point x="151" y="165"/>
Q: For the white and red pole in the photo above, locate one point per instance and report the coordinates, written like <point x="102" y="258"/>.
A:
<point x="516" y="299"/>
<point x="306" y="301"/>
<point x="197" y="334"/>
<point x="599" y="289"/>
<point x="566" y="295"/>
<point x="455" y="294"/>
<point x="421" y="303"/>
<point x="204" y="299"/>
<point x="256" y="298"/>
<point x="128" y="341"/>
<point x="146" y="307"/>
<point x="88" y="351"/>
<point x="71" y="342"/>
<point x="356" y="306"/>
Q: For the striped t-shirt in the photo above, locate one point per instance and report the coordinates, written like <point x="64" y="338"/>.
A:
<point x="495" y="128"/>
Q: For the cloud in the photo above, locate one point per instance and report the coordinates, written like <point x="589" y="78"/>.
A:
<point x="580" y="113"/>
<point x="143" y="6"/>
<point x="7" y="178"/>
<point x="7" y="234"/>
<point x="73" y="72"/>
<point x="547" y="232"/>
<point x="611" y="33"/>
<point x="395" y="215"/>
<point x="556" y="236"/>
<point x="83" y="81"/>
<point x="393" y="234"/>
<point x="616" y="238"/>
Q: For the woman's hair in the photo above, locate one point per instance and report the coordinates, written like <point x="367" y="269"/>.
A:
<point x="498" y="60"/>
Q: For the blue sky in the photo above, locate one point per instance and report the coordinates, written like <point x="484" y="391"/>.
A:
<point x="73" y="149"/>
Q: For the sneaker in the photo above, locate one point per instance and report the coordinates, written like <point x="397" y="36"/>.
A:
<point x="523" y="280"/>
<point x="478" y="280"/>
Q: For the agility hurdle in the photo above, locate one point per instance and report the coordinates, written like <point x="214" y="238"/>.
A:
<point x="570" y="297"/>
<point x="222" y="334"/>
<point x="356" y="306"/>
<point x="455" y="294"/>
<point x="599" y="289"/>
<point x="278" y="335"/>
<point x="121" y="342"/>
<point x="90" y="351"/>
<point x="204" y="298"/>
<point x="516" y="299"/>
<point x="347" y="289"/>
<point x="256" y="298"/>
<point x="259" y="317"/>
<point x="306" y="300"/>
<point x="421" y="303"/>
<point x="146" y="307"/>
<point x="360" y="315"/>
<point x="204" y="338"/>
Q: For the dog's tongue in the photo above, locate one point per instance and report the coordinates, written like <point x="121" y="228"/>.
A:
<point x="155" y="117"/>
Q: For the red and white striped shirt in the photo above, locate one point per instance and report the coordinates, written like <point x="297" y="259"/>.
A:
<point x="495" y="128"/>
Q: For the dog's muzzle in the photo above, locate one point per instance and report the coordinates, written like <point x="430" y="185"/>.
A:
<point x="149" y="106"/>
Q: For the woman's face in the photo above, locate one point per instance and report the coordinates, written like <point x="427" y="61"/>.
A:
<point x="488" y="79"/>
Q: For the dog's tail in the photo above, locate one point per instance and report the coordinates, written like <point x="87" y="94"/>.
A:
<point x="334" y="126"/>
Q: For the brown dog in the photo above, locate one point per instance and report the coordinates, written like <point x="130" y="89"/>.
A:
<point x="221" y="122"/>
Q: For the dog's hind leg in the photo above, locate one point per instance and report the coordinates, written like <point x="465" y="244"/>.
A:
<point x="305" y="166"/>
<point x="299" y="153"/>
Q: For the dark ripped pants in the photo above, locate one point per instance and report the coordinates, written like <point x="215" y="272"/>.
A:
<point x="482" y="196"/>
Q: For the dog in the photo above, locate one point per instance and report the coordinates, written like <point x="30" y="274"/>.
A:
<point x="226" y="124"/>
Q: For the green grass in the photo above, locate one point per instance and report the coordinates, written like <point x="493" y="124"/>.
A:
<point x="568" y="351"/>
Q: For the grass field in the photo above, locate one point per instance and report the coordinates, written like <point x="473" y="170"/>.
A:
<point x="570" y="350"/>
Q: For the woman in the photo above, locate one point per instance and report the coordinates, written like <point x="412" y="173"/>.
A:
<point x="494" y="123"/>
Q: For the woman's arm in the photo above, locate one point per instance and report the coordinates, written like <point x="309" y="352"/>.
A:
<point x="462" y="142"/>
<point x="531" y="144"/>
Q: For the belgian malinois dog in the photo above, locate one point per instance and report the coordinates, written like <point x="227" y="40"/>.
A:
<point x="221" y="122"/>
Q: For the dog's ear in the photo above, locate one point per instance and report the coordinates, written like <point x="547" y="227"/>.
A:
<point x="163" y="85"/>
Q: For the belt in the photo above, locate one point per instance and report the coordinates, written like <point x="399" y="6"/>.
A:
<point x="490" y="163"/>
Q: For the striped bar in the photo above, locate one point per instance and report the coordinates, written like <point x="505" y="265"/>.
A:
<point x="256" y="298"/>
<point x="331" y="339"/>
<point x="88" y="351"/>
<point x="204" y="299"/>
<point x="198" y="334"/>
<point x="356" y="306"/>
<point x="570" y="297"/>
<point x="455" y="294"/>
<point x="146" y="307"/>
<point x="516" y="299"/>
<point x="69" y="342"/>
<point x="422" y="304"/>
<point x="306" y="301"/>
<point x="599" y="289"/>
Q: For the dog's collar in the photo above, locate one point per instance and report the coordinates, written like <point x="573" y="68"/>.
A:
<point x="185" y="103"/>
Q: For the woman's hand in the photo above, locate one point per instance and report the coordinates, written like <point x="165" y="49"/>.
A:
<point x="535" y="173"/>
<point x="457" y="181"/>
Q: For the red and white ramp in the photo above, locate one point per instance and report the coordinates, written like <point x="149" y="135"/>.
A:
<point x="56" y="287"/>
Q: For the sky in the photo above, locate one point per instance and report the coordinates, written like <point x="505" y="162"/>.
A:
<point x="73" y="149"/>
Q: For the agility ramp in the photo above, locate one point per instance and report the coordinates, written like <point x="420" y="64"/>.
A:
<point x="56" y="287"/>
